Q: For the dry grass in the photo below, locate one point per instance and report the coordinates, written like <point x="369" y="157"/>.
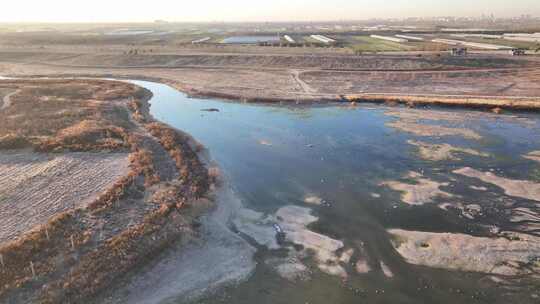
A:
<point x="52" y="115"/>
<point x="70" y="260"/>
<point x="192" y="172"/>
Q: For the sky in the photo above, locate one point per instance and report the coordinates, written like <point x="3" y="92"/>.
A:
<point x="252" y="10"/>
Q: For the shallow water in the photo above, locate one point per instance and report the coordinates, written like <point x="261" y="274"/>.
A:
<point x="275" y="156"/>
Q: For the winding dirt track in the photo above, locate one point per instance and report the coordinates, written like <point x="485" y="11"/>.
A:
<point x="6" y="100"/>
<point x="296" y="76"/>
<point x="309" y="78"/>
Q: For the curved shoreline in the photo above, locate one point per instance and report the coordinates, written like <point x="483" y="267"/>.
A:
<point x="165" y="282"/>
<point x="99" y="262"/>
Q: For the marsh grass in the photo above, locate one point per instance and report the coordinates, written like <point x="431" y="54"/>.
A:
<point x="54" y="115"/>
<point x="65" y="260"/>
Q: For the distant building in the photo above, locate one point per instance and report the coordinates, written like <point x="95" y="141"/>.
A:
<point x="289" y="39"/>
<point x="323" y="39"/>
<point x="202" y="40"/>
<point x="475" y="45"/>
<point x="459" y="51"/>
<point x="517" y="52"/>
<point x="407" y="37"/>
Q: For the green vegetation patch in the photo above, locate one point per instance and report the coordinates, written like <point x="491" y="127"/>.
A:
<point x="368" y="44"/>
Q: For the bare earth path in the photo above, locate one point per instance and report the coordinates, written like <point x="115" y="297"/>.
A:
<point x="6" y="100"/>
<point x="301" y="83"/>
<point x="511" y="82"/>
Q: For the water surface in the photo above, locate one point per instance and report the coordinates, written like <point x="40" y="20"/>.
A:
<point x="274" y="156"/>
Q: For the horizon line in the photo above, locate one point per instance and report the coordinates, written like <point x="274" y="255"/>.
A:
<point x="263" y="21"/>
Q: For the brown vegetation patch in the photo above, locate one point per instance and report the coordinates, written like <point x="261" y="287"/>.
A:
<point x="132" y="216"/>
<point x="192" y="172"/>
<point x="67" y="114"/>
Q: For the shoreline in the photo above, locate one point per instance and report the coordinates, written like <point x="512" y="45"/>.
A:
<point x="141" y="113"/>
<point x="493" y="103"/>
<point x="94" y="267"/>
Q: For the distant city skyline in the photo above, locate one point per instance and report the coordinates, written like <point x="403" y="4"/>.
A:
<point x="248" y="10"/>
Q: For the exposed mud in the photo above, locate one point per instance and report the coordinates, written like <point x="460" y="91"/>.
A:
<point x="423" y="190"/>
<point x="291" y="223"/>
<point x="313" y="200"/>
<point x="535" y="155"/>
<point x="499" y="255"/>
<point x="518" y="188"/>
<point x="362" y="266"/>
<point x="469" y="211"/>
<point x="455" y="118"/>
<point x="386" y="270"/>
<point x="257" y="226"/>
<point x="432" y="114"/>
<point x="294" y="221"/>
<point x="218" y="257"/>
<point x="418" y="114"/>
<point x="426" y="130"/>
<point x="440" y="152"/>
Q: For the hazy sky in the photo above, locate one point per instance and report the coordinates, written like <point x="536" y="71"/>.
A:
<point x="253" y="10"/>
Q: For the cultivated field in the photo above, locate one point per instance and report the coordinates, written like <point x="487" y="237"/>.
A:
<point x="300" y="78"/>
<point x="273" y="73"/>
